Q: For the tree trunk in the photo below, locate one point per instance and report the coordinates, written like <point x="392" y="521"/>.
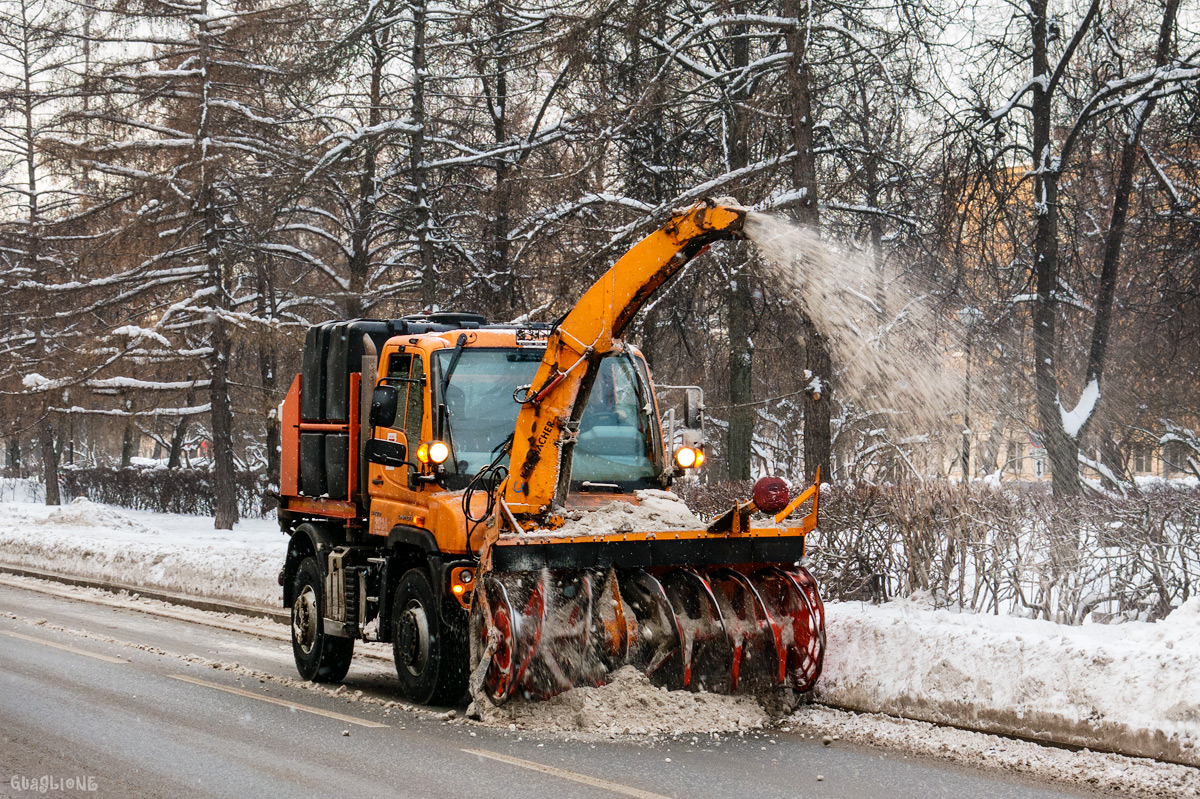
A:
<point x="1112" y="455"/>
<point x="267" y="307"/>
<point x="364" y="216"/>
<point x="14" y="455"/>
<point x="818" y="437"/>
<point x="818" y="441"/>
<point x="1120" y="211"/>
<point x="50" y="463"/>
<point x="423" y="220"/>
<point x="741" y="361"/>
<point x="1063" y="450"/>
<point x="224" y="479"/>
<point x="127" y="444"/>
<point x="740" y="295"/>
<point x="179" y="434"/>
<point x="989" y="458"/>
<point x="266" y="367"/>
<point x="498" y="226"/>
<point x="645" y="147"/>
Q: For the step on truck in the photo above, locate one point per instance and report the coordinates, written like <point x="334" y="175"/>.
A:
<point x="439" y="479"/>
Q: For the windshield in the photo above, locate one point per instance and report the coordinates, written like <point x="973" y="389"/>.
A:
<point x="614" y="444"/>
<point x="479" y="401"/>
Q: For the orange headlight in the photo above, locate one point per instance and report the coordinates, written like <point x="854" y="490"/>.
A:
<point x="685" y="457"/>
<point x="438" y="451"/>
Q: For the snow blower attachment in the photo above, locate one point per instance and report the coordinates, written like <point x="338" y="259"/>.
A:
<point x="721" y="609"/>
<point x="490" y="500"/>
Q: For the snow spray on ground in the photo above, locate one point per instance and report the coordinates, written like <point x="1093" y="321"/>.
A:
<point x="628" y="704"/>
<point x="891" y="350"/>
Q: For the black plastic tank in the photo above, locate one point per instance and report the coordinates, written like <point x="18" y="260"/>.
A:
<point x="312" y="374"/>
<point x="337" y="464"/>
<point x="345" y="357"/>
<point x="312" y="464"/>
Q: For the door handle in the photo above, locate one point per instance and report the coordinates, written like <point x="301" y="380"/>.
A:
<point x="376" y="481"/>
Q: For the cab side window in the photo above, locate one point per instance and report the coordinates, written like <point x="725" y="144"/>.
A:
<point x="406" y="371"/>
<point x="416" y="402"/>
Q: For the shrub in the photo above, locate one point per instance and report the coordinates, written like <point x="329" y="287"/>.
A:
<point x="187" y="491"/>
<point x="1014" y="550"/>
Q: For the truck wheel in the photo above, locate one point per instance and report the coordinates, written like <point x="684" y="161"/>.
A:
<point x="431" y="655"/>
<point x="319" y="657"/>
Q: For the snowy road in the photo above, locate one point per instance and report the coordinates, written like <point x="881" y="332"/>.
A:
<point x="133" y="702"/>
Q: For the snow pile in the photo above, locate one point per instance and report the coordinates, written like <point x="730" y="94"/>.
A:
<point x="169" y="552"/>
<point x="656" y="510"/>
<point x="85" y="513"/>
<point x="627" y="704"/>
<point x="1132" y="687"/>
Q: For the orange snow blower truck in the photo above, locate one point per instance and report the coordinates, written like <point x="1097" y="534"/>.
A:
<point x="439" y="474"/>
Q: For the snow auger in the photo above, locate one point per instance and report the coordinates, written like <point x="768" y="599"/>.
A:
<point x="749" y="627"/>
<point x="443" y="481"/>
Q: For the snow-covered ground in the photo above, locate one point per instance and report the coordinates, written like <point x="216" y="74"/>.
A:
<point x="17" y="490"/>
<point x="1132" y="687"/>
<point x="183" y="554"/>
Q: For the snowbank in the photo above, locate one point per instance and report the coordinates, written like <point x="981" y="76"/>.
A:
<point x="1132" y="688"/>
<point x="183" y="554"/>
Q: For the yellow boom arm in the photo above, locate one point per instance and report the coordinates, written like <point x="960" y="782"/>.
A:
<point x="549" y="418"/>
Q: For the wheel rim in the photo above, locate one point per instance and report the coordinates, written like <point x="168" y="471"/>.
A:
<point x="498" y="678"/>
<point x="414" y="638"/>
<point x="304" y="620"/>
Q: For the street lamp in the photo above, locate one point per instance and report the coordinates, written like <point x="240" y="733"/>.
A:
<point x="969" y="317"/>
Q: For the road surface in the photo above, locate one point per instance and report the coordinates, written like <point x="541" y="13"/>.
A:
<point x="104" y="701"/>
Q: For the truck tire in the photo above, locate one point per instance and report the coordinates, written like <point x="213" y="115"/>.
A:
<point x="431" y="655"/>
<point x="320" y="657"/>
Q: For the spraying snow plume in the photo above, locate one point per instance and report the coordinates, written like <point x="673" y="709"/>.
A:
<point x="889" y="346"/>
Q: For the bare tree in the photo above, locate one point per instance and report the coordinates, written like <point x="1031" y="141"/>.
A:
<point x="1060" y="115"/>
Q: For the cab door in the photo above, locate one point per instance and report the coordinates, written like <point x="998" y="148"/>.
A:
<point x="405" y="371"/>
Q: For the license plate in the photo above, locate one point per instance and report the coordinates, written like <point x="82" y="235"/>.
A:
<point x="532" y="336"/>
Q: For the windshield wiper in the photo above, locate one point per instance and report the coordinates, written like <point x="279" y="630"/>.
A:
<point x="450" y="367"/>
<point x="443" y="415"/>
<point x="588" y="485"/>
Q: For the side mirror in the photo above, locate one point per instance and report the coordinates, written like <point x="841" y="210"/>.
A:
<point x="693" y="409"/>
<point x="383" y="406"/>
<point x="386" y="453"/>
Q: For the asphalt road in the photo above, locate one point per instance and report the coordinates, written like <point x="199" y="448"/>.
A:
<point x="131" y="709"/>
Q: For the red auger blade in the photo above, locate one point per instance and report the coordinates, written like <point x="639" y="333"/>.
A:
<point x="707" y="650"/>
<point x="656" y="638"/>
<point x="752" y="626"/>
